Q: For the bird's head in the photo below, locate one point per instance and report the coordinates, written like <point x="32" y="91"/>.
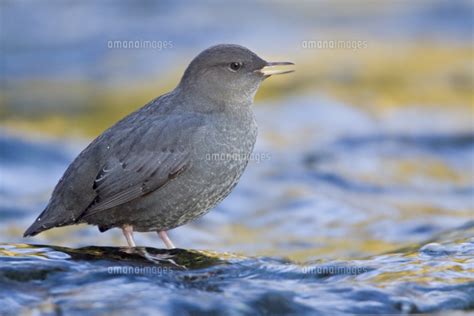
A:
<point x="229" y="74"/>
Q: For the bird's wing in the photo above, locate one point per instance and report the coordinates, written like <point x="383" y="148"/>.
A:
<point x="143" y="169"/>
<point x="122" y="181"/>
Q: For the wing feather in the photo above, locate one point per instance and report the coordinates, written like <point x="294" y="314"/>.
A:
<point x="120" y="182"/>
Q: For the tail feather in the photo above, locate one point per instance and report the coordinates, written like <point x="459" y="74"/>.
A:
<point x="37" y="227"/>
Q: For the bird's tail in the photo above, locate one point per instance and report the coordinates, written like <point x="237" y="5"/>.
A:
<point x="38" y="226"/>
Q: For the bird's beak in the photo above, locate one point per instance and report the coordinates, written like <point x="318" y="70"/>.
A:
<point x="269" y="69"/>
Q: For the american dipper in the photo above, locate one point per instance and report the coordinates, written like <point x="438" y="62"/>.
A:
<point x="173" y="159"/>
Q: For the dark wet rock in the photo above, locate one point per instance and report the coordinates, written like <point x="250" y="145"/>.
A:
<point x="173" y="259"/>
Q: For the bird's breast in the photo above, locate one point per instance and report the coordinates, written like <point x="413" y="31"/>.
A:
<point x="225" y="147"/>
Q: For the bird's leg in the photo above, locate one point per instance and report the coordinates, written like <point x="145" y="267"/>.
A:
<point x="128" y="233"/>
<point x="166" y="239"/>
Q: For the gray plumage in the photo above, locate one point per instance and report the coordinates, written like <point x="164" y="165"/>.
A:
<point x="170" y="161"/>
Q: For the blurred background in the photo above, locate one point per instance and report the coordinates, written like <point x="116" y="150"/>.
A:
<point x="369" y="145"/>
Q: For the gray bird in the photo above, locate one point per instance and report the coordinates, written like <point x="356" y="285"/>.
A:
<point x="172" y="160"/>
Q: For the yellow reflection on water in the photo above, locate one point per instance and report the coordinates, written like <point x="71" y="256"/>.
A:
<point x="380" y="77"/>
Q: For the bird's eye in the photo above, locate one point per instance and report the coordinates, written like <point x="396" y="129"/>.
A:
<point x="235" y="66"/>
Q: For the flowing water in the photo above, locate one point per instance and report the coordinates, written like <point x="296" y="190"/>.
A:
<point x="340" y="211"/>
